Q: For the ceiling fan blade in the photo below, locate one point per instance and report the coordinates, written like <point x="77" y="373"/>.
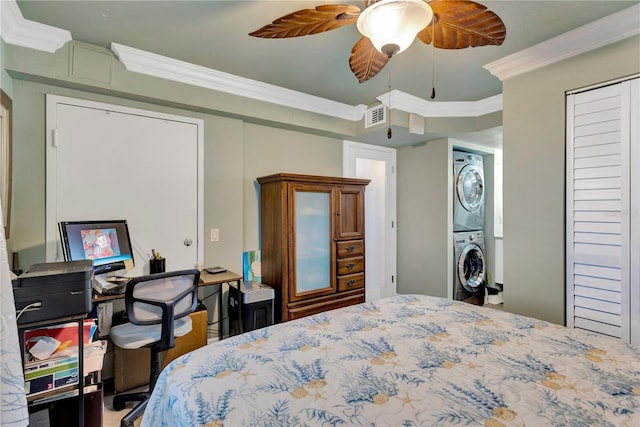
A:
<point x="366" y="61"/>
<point x="463" y="23"/>
<point x="310" y="21"/>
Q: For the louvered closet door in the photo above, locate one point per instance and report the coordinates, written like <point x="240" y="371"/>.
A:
<point x="598" y="206"/>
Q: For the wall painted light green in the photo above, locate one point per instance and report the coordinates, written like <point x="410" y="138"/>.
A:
<point x="423" y="214"/>
<point x="268" y="151"/>
<point x="235" y="155"/>
<point x="6" y="82"/>
<point x="242" y="136"/>
<point x="223" y="172"/>
<point x="534" y="174"/>
<point x="534" y="197"/>
<point x="533" y="158"/>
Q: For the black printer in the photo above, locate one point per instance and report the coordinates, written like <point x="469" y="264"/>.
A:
<point x="55" y="289"/>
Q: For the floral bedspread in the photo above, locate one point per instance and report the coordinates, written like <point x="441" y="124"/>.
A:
<point x="409" y="360"/>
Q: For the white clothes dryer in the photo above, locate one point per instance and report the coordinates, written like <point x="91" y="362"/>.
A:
<point x="468" y="197"/>
<point x="469" y="268"/>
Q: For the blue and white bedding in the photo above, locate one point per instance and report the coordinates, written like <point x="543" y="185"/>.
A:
<point x="405" y="361"/>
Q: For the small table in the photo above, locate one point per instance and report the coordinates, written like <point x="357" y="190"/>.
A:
<point x="207" y="279"/>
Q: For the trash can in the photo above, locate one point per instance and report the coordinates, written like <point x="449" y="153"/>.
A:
<point x="250" y="307"/>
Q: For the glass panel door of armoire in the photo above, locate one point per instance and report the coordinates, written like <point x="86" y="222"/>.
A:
<point x="312" y="241"/>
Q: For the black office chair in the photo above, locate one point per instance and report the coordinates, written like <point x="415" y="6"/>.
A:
<point x="157" y="308"/>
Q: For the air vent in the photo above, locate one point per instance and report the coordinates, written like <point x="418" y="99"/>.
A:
<point x="375" y="115"/>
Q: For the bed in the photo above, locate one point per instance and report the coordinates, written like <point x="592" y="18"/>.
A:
<point x="410" y="360"/>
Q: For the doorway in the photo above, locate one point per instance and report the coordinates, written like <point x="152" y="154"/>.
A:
<point x="377" y="164"/>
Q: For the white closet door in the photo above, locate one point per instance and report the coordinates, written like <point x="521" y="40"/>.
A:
<point x="106" y="162"/>
<point x="598" y="206"/>
<point x="635" y="212"/>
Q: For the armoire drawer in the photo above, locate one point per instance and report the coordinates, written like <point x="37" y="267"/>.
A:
<point x="349" y="248"/>
<point x="352" y="281"/>
<point x="350" y="266"/>
<point x="318" y="305"/>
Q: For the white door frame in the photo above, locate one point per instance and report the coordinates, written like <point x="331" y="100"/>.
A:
<point x="351" y="151"/>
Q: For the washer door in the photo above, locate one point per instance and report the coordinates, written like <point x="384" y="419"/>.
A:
<point x="471" y="267"/>
<point x="470" y="188"/>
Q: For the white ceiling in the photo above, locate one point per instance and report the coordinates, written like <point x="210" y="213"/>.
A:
<point x="214" y="34"/>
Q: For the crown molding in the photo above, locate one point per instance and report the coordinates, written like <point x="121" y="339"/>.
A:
<point x="16" y="30"/>
<point x="151" y="64"/>
<point x="399" y="100"/>
<point x="602" y="32"/>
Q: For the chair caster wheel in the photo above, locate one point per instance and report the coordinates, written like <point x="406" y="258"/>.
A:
<point x="117" y="405"/>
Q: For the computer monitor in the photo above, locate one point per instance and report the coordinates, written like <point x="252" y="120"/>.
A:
<point x="106" y="243"/>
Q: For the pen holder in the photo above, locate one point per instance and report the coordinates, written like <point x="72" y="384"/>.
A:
<point x="156" y="265"/>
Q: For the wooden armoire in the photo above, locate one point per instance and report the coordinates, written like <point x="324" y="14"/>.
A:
<point x="312" y="242"/>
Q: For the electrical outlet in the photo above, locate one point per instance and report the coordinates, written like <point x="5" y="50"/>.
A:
<point x="215" y="234"/>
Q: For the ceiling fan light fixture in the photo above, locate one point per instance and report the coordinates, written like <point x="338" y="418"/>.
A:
<point x="392" y="25"/>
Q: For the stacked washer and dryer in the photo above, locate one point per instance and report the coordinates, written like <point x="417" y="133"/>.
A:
<point x="469" y="267"/>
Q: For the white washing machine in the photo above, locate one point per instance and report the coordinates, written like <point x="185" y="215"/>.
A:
<point x="469" y="268"/>
<point x="468" y="197"/>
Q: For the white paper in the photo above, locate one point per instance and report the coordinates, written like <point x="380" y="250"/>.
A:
<point x="44" y="348"/>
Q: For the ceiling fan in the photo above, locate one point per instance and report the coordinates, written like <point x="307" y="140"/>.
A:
<point x="390" y="26"/>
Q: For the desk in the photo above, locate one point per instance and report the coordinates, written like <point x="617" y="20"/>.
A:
<point x="206" y="279"/>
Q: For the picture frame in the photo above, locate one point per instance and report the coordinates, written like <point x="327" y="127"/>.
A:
<point x="252" y="266"/>
<point x="5" y="159"/>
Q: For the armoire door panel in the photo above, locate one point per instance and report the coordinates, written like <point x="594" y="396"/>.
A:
<point x="311" y="253"/>
<point x="350" y="213"/>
